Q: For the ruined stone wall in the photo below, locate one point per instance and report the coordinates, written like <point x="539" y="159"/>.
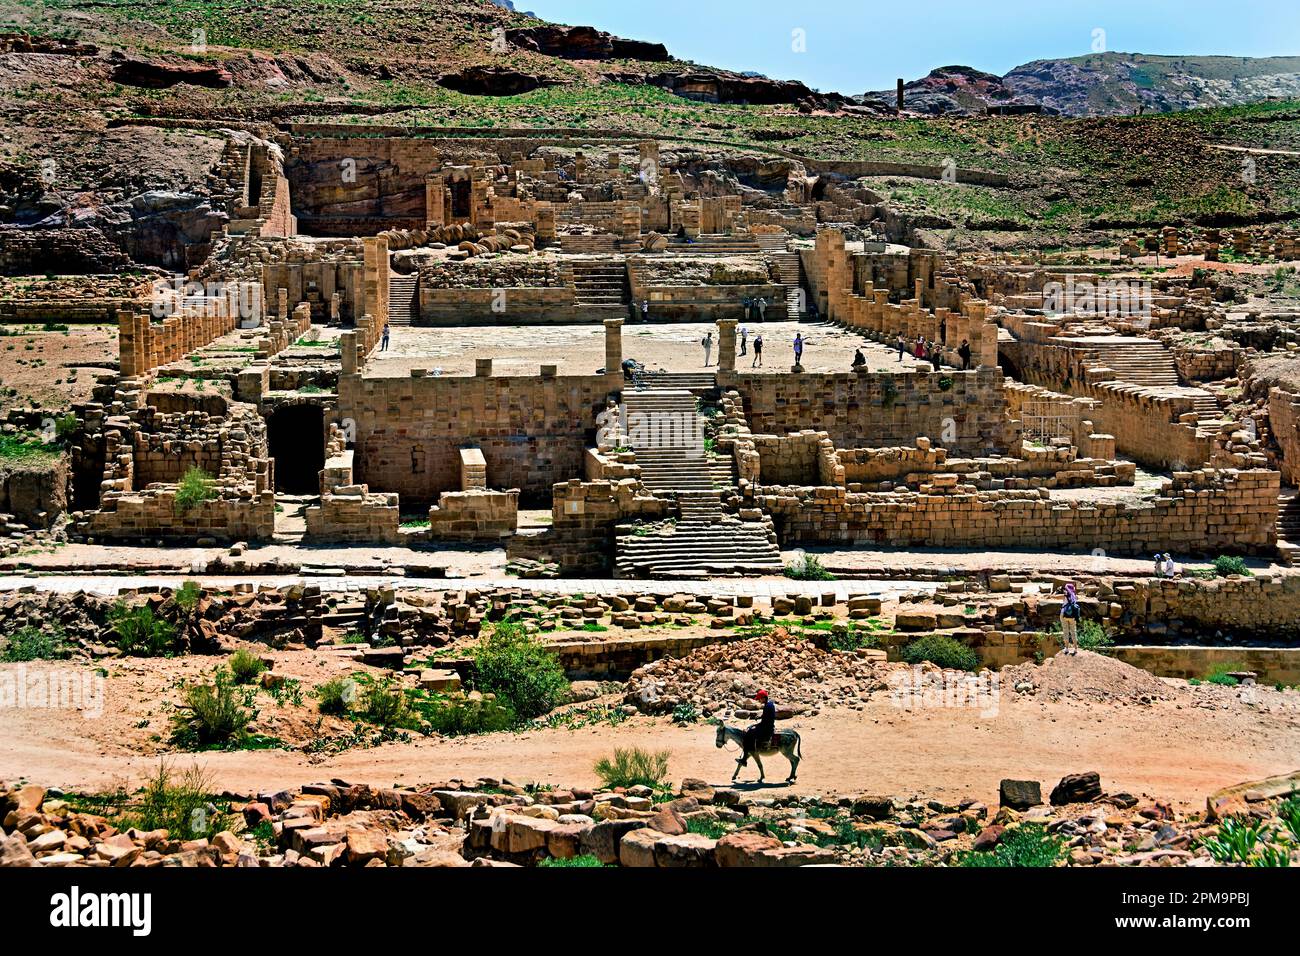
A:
<point x="350" y="513"/>
<point x="237" y="515"/>
<point x="1261" y="607"/>
<point x="144" y="345"/>
<point x="963" y="411"/>
<point x="474" y="516"/>
<point x="1284" y="423"/>
<point x="1209" y="512"/>
<point x="533" y="431"/>
<point x="581" y="537"/>
<point x="35" y="493"/>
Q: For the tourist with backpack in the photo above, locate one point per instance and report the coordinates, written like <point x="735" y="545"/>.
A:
<point x="758" y="352"/>
<point x="1070" y="614"/>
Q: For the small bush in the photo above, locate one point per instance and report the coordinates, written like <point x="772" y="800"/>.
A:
<point x="335" y="695"/>
<point x="519" y="671"/>
<point x="182" y="805"/>
<point x="1028" y="845"/>
<point x="246" y="666"/>
<point x="941" y="650"/>
<point x="34" y="644"/>
<point x="1226" y="564"/>
<point x="808" y="567"/>
<point x="386" y="705"/>
<point x="686" y="713"/>
<point x="586" y="860"/>
<point x="212" y="716"/>
<point x="633" y="767"/>
<point x="140" y="631"/>
<point x="1094" y="637"/>
<point x="187" y="597"/>
<point x="458" y="714"/>
<point x="194" y="488"/>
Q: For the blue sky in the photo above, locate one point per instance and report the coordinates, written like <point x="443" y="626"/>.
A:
<point x="857" y="46"/>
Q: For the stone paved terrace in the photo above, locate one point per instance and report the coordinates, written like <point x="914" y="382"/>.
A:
<point x="580" y="349"/>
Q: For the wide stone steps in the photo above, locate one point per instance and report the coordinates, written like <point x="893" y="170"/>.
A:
<point x="402" y="307"/>
<point x="715" y="246"/>
<point x="723" y="547"/>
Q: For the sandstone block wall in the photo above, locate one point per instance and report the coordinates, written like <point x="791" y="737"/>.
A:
<point x="1207" y="513"/>
<point x="963" y="411"/>
<point x="532" y="432"/>
<point x="478" y="515"/>
<point x="351" y="514"/>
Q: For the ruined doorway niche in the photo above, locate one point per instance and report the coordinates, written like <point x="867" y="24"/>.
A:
<point x="296" y="434"/>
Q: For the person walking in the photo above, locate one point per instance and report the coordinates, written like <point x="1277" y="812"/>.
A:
<point x="936" y="357"/>
<point x="902" y="346"/>
<point x="762" y="309"/>
<point x="964" y="354"/>
<point x="744" y="340"/>
<point x="758" y="351"/>
<point x="707" y="344"/>
<point x="798" y="348"/>
<point x="918" y="352"/>
<point x="1070" y="614"/>
<point x="645" y="310"/>
<point x="383" y="342"/>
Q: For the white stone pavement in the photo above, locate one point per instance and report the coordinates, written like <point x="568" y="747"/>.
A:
<point x="335" y="584"/>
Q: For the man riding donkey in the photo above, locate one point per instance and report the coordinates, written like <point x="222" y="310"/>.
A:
<point x="762" y="738"/>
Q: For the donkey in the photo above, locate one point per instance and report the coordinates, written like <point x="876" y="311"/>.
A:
<point x="785" y="742"/>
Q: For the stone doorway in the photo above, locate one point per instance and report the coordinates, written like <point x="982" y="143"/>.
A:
<point x="296" y="434"/>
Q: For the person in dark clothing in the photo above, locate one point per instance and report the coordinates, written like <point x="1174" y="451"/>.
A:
<point x="632" y="372"/>
<point x="936" y="357"/>
<point x="859" y="359"/>
<point x="760" y="734"/>
<point x="964" y="352"/>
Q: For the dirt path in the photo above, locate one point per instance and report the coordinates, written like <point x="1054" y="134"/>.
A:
<point x="1178" y="753"/>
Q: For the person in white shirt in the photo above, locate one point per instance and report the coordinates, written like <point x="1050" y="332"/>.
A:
<point x="707" y="344"/>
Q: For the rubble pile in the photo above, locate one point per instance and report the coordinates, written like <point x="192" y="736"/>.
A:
<point x="721" y="679"/>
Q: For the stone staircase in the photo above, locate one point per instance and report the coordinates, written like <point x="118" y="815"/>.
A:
<point x="402" y="307"/>
<point x="665" y="432"/>
<point x="601" y="244"/>
<point x="600" y="284"/>
<point x="772" y="241"/>
<point x="1288" y="526"/>
<point x="789" y="268"/>
<point x="1149" y="364"/>
<point x="704" y="543"/>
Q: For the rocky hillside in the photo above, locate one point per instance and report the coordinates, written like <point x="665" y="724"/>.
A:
<point x="1102" y="84"/>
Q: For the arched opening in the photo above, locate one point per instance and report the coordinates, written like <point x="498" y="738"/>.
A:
<point x="296" y="434"/>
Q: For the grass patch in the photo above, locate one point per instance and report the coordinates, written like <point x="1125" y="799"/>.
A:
<point x="212" y="716"/>
<point x="141" y="631"/>
<point x="807" y="567"/>
<point x="34" y="644"/>
<point x="941" y="650"/>
<point x="633" y="767"/>
<point x="245" y="666"/>
<point x="573" y="862"/>
<point x="1029" y="845"/>
<point x="335" y="696"/>
<point x="180" y="803"/>
<point x="194" y="488"/>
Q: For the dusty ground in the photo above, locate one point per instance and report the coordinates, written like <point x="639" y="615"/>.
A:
<point x="53" y="369"/>
<point x="580" y="349"/>
<point x="1179" y="749"/>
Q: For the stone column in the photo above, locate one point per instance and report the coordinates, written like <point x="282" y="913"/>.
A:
<point x="726" y="347"/>
<point x="614" y="353"/>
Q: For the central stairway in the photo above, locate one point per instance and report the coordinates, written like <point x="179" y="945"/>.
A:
<point x="666" y="434"/>
<point x="601" y="285"/>
<point x="790" y="269"/>
<point x="1150" y="364"/>
<point x="402" y="307"/>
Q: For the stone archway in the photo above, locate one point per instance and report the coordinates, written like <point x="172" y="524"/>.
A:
<point x="296" y="435"/>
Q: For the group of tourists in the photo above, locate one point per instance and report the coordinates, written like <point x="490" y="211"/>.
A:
<point x="925" y="350"/>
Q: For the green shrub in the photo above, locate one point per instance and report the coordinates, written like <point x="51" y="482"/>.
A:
<point x="1094" y="637"/>
<point x="1236" y="841"/>
<point x="942" y="650"/>
<point x="852" y="638"/>
<point x="713" y="829"/>
<point x="335" y="695"/>
<point x="519" y="671"/>
<point x="246" y="666"/>
<point x="386" y="705"/>
<point x="586" y="860"/>
<point x="211" y="716"/>
<point x="808" y="567"/>
<point x="194" y="488"/>
<point x="187" y="597"/>
<point x="34" y="644"/>
<point x="140" y="631"/>
<point x="183" y="805"/>
<point x="685" y="713"/>
<point x="457" y="714"/>
<point x="633" y="767"/>
<point x="1028" y="845"/>
<point x="1226" y="564"/>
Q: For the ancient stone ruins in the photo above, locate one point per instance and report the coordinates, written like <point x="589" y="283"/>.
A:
<point x="692" y="420"/>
